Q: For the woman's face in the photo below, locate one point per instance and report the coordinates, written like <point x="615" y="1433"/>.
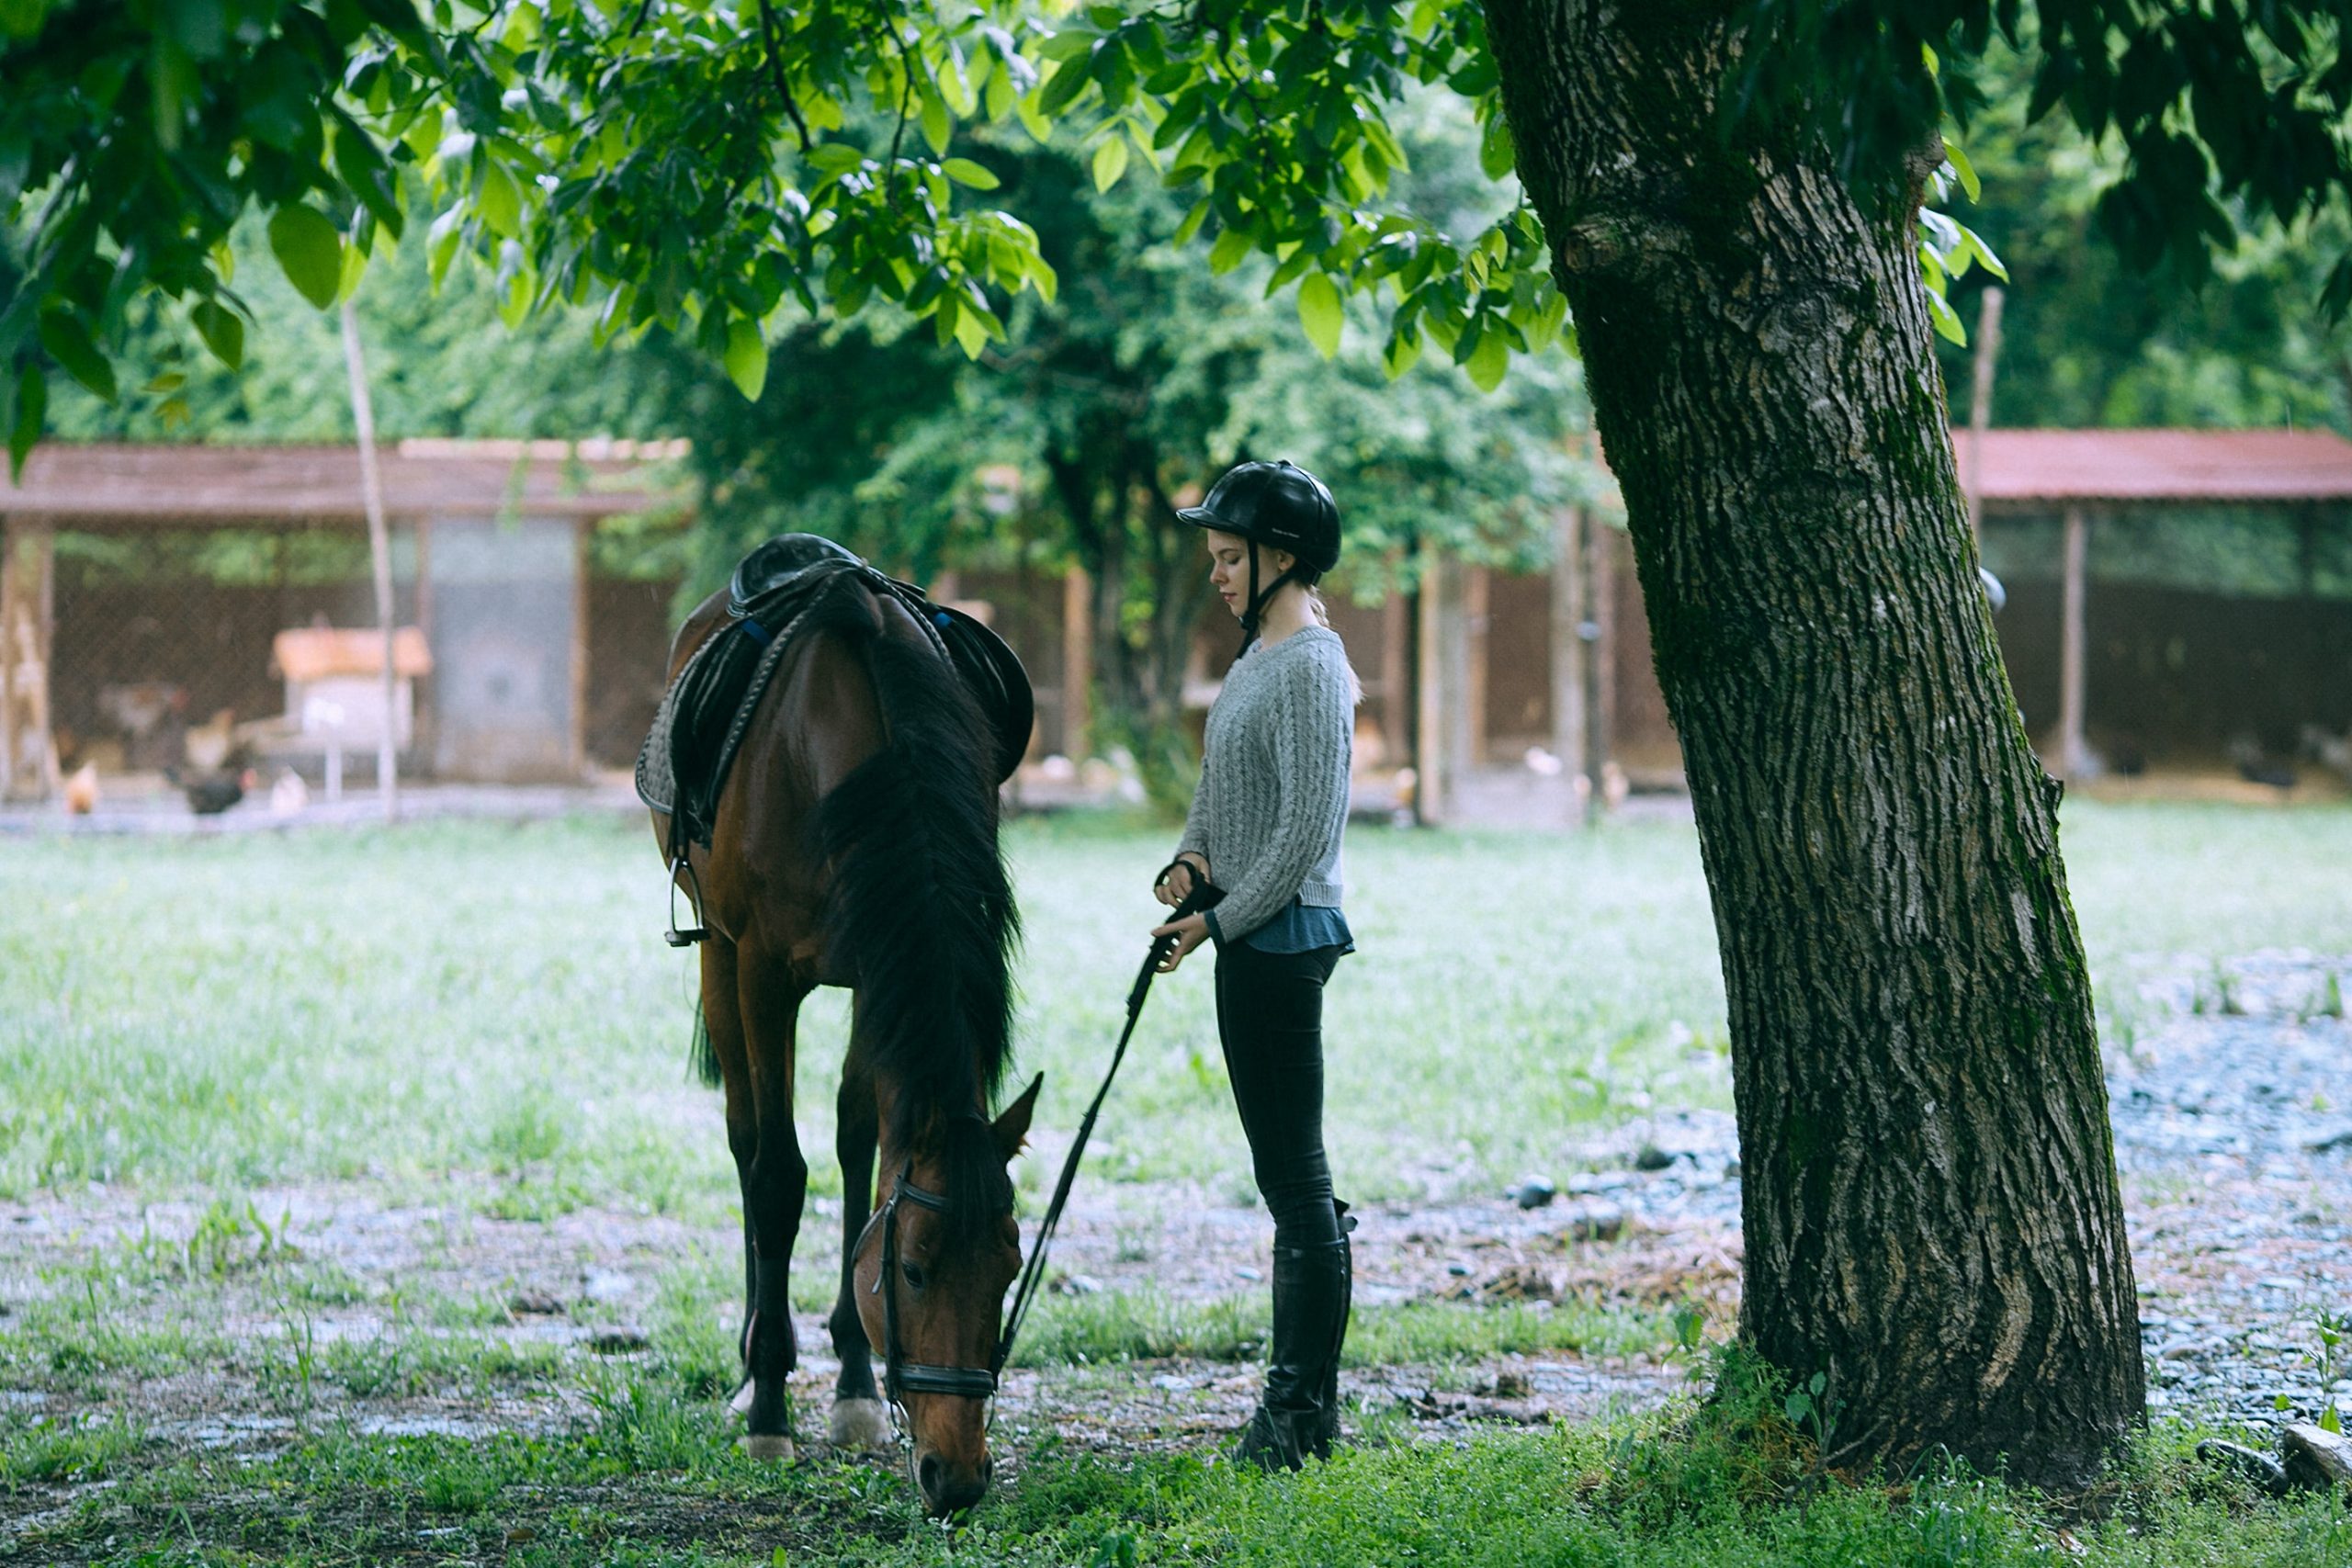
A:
<point x="1230" y="567"/>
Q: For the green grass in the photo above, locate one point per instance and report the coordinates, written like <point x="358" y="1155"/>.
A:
<point x="394" y="1007"/>
<point x="652" y="1481"/>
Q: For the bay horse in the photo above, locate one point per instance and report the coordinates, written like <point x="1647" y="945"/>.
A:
<point x="855" y="844"/>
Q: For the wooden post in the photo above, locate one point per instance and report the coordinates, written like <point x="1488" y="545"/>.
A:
<point x="1980" y="402"/>
<point x="1396" y="724"/>
<point x="2074" y="647"/>
<point x="1078" y="663"/>
<point x="1429" y="696"/>
<point x="1568" y="651"/>
<point x="379" y="550"/>
<point x="28" y="770"/>
<point x="424" y="711"/>
<point x="582" y="532"/>
<point x="1600" y="661"/>
<point x="1453" y="676"/>
<point x="1478" y="599"/>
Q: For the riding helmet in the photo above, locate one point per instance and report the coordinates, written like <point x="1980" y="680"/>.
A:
<point x="1280" y="505"/>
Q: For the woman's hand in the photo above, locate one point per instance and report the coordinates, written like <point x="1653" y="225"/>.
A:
<point x="1189" y="933"/>
<point x="1190" y="870"/>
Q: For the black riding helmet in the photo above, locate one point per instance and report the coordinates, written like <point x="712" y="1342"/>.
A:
<point x="1279" y="506"/>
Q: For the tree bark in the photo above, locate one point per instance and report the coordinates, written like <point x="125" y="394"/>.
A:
<point x="1931" y="1209"/>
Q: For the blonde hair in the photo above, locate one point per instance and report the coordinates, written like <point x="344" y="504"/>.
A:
<point x="1322" y="614"/>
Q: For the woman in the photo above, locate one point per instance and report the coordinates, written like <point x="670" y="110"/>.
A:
<point x="1264" y="828"/>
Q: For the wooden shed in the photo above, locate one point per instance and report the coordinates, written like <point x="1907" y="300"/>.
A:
<point x="493" y="539"/>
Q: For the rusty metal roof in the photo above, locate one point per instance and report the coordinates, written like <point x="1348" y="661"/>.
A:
<point x="160" y="485"/>
<point x="2022" y="467"/>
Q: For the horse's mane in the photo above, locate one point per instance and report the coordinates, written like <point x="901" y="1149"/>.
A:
<point x="918" y="909"/>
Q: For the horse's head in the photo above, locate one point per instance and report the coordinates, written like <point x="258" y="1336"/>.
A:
<point x="932" y="1272"/>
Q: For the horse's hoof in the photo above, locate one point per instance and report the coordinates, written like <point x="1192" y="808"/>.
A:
<point x="766" y="1445"/>
<point x="860" y="1424"/>
<point x="740" y="1404"/>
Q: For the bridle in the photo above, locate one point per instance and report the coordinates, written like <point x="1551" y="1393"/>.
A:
<point x="902" y="1377"/>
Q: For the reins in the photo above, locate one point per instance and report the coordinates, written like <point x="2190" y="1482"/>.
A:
<point x="900" y="1376"/>
<point x="1033" y="1272"/>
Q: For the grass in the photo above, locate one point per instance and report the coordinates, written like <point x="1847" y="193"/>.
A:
<point x="484" y="1017"/>
<point x="238" y="1012"/>
<point x="649" y="1481"/>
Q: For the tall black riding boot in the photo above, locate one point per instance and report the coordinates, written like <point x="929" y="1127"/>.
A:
<point x="1310" y="1315"/>
<point x="1327" y="1432"/>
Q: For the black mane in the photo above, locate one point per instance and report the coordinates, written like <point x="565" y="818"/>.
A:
<point x="920" y="909"/>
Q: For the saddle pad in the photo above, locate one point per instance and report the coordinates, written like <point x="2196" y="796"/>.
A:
<point x="682" y="765"/>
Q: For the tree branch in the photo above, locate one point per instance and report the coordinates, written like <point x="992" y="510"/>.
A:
<point x="776" y="70"/>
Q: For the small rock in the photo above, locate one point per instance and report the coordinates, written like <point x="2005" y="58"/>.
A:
<point x="1248" y="1273"/>
<point x="1534" y="1193"/>
<point x="1171" y="1384"/>
<point x="1649" y="1156"/>
<point x="1731" y="1171"/>
<point x="1076" y="1285"/>
<point x="520" y="1534"/>
<point x="1512" y="1385"/>
<point x="1585" y="1183"/>
<point x="2329" y="1142"/>
<point x="2260" y="1469"/>
<point x="1595" y="1222"/>
<point x="618" y="1340"/>
<point x="1459" y="1270"/>
<point x="2279" y="1282"/>
<point x="539" y="1304"/>
<point x="2317" y="1459"/>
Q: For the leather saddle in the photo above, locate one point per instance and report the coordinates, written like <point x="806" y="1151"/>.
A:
<point x="683" y="766"/>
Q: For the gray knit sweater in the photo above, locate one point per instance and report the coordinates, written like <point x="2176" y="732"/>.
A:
<point x="1274" y="791"/>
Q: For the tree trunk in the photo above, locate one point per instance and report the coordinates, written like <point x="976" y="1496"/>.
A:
<point x="1930" y="1202"/>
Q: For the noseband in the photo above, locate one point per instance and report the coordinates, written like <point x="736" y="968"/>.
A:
<point x="900" y="1376"/>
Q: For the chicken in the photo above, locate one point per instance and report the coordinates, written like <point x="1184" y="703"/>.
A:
<point x="209" y="795"/>
<point x="288" y="793"/>
<point x="212" y="746"/>
<point x="82" y="790"/>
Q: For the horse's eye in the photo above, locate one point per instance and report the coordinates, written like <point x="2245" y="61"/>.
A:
<point x="913" y="1271"/>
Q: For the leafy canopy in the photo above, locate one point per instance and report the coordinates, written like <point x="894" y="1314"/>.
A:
<point x="715" y="167"/>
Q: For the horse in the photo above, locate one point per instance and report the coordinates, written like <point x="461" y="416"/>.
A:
<point x="854" y="844"/>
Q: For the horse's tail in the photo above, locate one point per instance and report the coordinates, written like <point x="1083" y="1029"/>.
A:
<point x="919" y="907"/>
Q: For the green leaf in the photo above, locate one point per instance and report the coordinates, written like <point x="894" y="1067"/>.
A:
<point x="971" y="332"/>
<point x="965" y="172"/>
<point x="501" y="201"/>
<point x="1976" y="242"/>
<point x="224" y="332"/>
<point x="747" y="358"/>
<point x="310" y="250"/>
<point x="22" y="19"/>
<point x="1193" y="222"/>
<point x="32" y="412"/>
<point x="1404" y="349"/>
<point x="1964" y="169"/>
<point x="1496" y="154"/>
<point x="1320" y="313"/>
<point x="1490" y="359"/>
<point x="1232" y="248"/>
<point x="937" y="124"/>
<point x="355" y="264"/>
<point x="69" y="344"/>
<point x="1110" y="161"/>
<point x="1945" y="320"/>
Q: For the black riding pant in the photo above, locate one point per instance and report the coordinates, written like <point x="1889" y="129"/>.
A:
<point x="1270" y="1017"/>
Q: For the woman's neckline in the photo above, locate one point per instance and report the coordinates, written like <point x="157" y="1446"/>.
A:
<point x="1263" y="646"/>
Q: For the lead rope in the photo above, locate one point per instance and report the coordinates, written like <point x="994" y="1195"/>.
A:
<point x="1201" y="898"/>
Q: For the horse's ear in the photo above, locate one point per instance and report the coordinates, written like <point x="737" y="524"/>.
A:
<point x="1011" y="1124"/>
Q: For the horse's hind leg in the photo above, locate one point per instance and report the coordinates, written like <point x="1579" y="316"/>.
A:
<point x="860" y="1418"/>
<point x="775" y="1183"/>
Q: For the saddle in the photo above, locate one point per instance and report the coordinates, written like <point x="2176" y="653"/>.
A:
<point x="683" y="766"/>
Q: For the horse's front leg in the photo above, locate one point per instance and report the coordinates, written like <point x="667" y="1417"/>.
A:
<point x="860" y="1418"/>
<point x="775" y="1184"/>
